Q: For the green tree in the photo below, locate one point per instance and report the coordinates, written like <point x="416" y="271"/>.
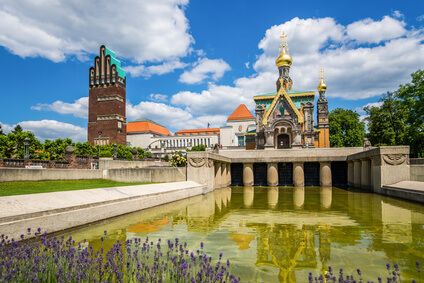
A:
<point x="386" y="124"/>
<point x="1" y="131"/>
<point x="85" y="149"/>
<point x="411" y="96"/>
<point x="346" y="129"/>
<point x="201" y="147"/>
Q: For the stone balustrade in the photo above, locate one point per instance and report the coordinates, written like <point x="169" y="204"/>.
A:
<point x="374" y="168"/>
<point x="367" y="169"/>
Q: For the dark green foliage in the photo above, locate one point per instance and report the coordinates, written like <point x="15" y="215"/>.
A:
<point x="386" y="124"/>
<point x="166" y="158"/>
<point x="1" y="131"/>
<point x="400" y="119"/>
<point x="346" y="129"/>
<point x="201" y="147"/>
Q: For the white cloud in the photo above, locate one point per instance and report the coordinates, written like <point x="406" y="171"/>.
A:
<point x="158" y="97"/>
<point x="173" y="118"/>
<point x="79" y="108"/>
<point x="205" y="69"/>
<point x="397" y="14"/>
<point x="247" y="64"/>
<point x="352" y="71"/>
<point x="361" y="110"/>
<point x="147" y="72"/>
<point x="50" y="129"/>
<point x="139" y="30"/>
<point x="370" y="31"/>
<point x="420" y="18"/>
<point x="6" y="128"/>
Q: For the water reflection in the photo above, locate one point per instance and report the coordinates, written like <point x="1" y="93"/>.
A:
<point x="282" y="234"/>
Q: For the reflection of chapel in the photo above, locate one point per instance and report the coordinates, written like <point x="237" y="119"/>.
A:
<point x="284" y="119"/>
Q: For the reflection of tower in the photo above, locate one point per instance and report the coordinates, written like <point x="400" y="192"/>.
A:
<point x="283" y="63"/>
<point x="299" y="197"/>
<point x="248" y="195"/>
<point x="324" y="246"/>
<point x="106" y="102"/>
<point x="322" y="112"/>
<point x="326" y="196"/>
<point x="272" y="197"/>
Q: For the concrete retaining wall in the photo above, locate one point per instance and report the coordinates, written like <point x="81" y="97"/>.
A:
<point x="106" y="163"/>
<point x="417" y="172"/>
<point x="129" y="175"/>
<point x="147" y="175"/>
<point x="22" y="174"/>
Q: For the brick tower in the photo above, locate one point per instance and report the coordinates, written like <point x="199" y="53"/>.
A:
<point x="106" y="102"/>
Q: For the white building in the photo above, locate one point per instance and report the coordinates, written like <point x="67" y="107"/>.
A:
<point x="146" y="133"/>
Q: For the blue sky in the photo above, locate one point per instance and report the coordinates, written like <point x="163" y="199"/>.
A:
<point x="190" y="63"/>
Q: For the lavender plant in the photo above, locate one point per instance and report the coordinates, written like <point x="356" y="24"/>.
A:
<point x="393" y="276"/>
<point x="53" y="259"/>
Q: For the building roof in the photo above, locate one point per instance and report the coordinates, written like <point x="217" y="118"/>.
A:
<point x="198" y="132"/>
<point x="241" y="113"/>
<point x="146" y="125"/>
<point x="291" y="93"/>
<point x="121" y="72"/>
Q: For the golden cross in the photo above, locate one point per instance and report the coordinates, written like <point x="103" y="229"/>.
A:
<point x="283" y="36"/>
<point x="321" y="76"/>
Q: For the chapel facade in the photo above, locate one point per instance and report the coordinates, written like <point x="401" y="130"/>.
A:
<point x="284" y="119"/>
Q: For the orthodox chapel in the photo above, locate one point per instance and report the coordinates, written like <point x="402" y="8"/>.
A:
<point x="285" y="118"/>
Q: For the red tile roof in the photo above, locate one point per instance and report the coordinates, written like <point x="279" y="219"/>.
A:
<point x="146" y="126"/>
<point x="241" y="113"/>
<point x="197" y="131"/>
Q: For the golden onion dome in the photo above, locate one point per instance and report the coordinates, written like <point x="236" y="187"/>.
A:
<point x="284" y="59"/>
<point x="322" y="86"/>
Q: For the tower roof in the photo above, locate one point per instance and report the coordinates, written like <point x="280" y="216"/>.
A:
<point x="241" y="113"/>
<point x="146" y="125"/>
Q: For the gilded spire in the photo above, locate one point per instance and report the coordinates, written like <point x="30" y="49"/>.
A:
<point x="322" y="86"/>
<point x="284" y="59"/>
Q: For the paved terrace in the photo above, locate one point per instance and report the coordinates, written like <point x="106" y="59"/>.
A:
<point x="62" y="210"/>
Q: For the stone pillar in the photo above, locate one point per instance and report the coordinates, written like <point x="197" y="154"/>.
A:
<point x="298" y="174"/>
<point x="272" y="175"/>
<point x="365" y="173"/>
<point x="357" y="173"/>
<point x="228" y="174"/>
<point x="350" y="173"/>
<point x="325" y="174"/>
<point x="247" y="174"/>
<point x="223" y="175"/>
<point x="217" y="174"/>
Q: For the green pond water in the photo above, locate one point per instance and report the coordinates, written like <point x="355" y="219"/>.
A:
<point x="282" y="234"/>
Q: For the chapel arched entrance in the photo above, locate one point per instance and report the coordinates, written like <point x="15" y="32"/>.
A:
<point x="283" y="141"/>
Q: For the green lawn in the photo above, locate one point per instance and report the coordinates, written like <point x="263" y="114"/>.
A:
<point x="25" y="188"/>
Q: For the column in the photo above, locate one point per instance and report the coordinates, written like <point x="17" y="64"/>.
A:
<point x="325" y="174"/>
<point x="350" y="173"/>
<point x="326" y="197"/>
<point x="272" y="197"/>
<point x="298" y="174"/>
<point x="365" y="173"/>
<point x="223" y="175"/>
<point x="357" y="173"/>
<point x="248" y="196"/>
<point x="247" y="174"/>
<point x="228" y="174"/>
<point x="272" y="175"/>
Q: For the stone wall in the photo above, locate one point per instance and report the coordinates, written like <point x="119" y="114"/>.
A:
<point x="417" y="172"/>
<point x="107" y="163"/>
<point x="147" y="175"/>
<point x="23" y="174"/>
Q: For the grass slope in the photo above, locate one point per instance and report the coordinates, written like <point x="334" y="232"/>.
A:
<point x="25" y="188"/>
